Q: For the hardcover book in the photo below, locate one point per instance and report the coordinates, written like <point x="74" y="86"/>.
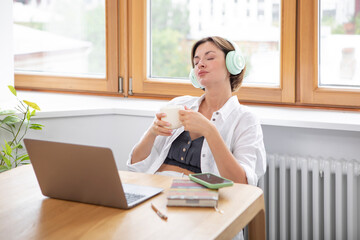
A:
<point x="184" y="192"/>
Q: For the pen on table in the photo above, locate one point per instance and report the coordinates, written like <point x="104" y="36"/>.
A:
<point x="160" y="214"/>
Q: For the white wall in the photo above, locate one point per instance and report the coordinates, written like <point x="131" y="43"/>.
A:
<point x="337" y="144"/>
<point x="117" y="132"/>
<point x="121" y="132"/>
<point x="6" y="52"/>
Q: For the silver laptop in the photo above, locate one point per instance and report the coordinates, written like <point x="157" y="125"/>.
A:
<point x="84" y="174"/>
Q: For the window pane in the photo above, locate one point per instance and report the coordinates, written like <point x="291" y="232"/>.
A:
<point x="339" y="57"/>
<point x="254" y="25"/>
<point x="62" y="37"/>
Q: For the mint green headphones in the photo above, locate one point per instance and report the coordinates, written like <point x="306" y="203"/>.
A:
<point x="235" y="63"/>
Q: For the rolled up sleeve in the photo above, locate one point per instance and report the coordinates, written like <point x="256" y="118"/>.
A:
<point x="250" y="153"/>
<point x="142" y="166"/>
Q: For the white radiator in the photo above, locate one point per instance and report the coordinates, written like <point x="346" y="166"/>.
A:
<point x="311" y="198"/>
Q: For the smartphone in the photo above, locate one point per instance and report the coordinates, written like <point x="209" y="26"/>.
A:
<point x="210" y="180"/>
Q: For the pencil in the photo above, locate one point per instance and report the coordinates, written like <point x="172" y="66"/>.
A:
<point x="160" y="214"/>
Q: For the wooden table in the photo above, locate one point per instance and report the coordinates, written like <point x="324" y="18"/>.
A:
<point x="26" y="214"/>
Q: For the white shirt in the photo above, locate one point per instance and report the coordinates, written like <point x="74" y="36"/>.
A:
<point x="238" y="127"/>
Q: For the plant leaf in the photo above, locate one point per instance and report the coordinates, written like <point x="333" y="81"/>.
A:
<point x="33" y="113"/>
<point x="7" y="161"/>
<point x="12" y="89"/>
<point x="7" y="148"/>
<point x="24" y="158"/>
<point x="36" y="126"/>
<point x="7" y="112"/>
<point x="31" y="104"/>
<point x="18" y="146"/>
<point x="28" y="115"/>
<point x="11" y="120"/>
<point x="3" y="168"/>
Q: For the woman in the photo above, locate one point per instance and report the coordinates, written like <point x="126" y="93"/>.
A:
<point x="219" y="135"/>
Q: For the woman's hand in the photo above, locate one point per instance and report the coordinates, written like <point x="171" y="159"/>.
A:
<point x="159" y="126"/>
<point x="143" y="149"/>
<point x="195" y="122"/>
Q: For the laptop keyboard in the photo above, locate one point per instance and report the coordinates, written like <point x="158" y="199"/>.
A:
<point x="132" y="197"/>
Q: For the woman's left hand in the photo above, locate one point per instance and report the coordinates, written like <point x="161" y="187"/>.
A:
<point x="194" y="121"/>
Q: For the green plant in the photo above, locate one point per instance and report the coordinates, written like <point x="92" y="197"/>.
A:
<point x="15" y="124"/>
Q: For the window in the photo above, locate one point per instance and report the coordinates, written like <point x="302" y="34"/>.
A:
<point x="46" y="44"/>
<point x="260" y="14"/>
<point x="64" y="44"/>
<point x="173" y="26"/>
<point x="298" y="52"/>
<point x="275" y="13"/>
<point x="329" y="52"/>
<point x="339" y="53"/>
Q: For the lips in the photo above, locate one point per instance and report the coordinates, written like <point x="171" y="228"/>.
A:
<point x="202" y="73"/>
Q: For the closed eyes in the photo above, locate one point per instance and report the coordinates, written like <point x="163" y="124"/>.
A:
<point x="209" y="59"/>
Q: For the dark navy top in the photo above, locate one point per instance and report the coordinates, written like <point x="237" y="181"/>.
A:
<point x="185" y="153"/>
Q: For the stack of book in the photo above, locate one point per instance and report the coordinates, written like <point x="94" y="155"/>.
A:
<point x="184" y="192"/>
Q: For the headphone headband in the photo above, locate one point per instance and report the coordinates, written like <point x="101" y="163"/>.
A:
<point x="236" y="47"/>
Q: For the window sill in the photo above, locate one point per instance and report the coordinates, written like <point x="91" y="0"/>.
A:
<point x="54" y="105"/>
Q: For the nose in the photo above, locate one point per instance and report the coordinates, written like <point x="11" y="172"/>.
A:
<point x="200" y="64"/>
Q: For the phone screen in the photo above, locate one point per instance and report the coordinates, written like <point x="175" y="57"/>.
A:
<point x="210" y="178"/>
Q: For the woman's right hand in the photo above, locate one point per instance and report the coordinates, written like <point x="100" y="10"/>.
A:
<point x="159" y="127"/>
<point x="143" y="149"/>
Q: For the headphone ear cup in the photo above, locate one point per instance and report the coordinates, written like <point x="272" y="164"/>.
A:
<point x="235" y="63"/>
<point x="194" y="80"/>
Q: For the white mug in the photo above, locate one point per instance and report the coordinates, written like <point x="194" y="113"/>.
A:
<point x="172" y="115"/>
